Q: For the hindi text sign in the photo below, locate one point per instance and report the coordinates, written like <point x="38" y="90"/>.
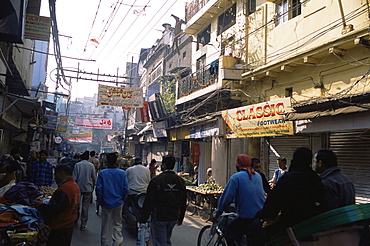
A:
<point x="120" y="97"/>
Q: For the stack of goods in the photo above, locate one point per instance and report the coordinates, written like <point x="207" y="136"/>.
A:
<point x="209" y="188"/>
<point x="19" y="222"/>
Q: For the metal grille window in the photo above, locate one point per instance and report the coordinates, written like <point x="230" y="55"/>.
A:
<point x="286" y="10"/>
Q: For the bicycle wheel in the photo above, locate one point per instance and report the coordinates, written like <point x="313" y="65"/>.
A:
<point x="190" y="206"/>
<point x="206" y="211"/>
<point x="208" y="238"/>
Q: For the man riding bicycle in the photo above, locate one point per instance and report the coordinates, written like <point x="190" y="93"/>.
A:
<point x="245" y="189"/>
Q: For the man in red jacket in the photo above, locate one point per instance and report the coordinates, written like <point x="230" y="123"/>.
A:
<point x="62" y="210"/>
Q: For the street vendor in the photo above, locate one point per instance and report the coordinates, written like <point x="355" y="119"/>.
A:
<point x="62" y="210"/>
<point x="188" y="167"/>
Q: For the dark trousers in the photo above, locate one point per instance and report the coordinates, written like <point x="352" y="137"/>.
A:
<point x="60" y="237"/>
<point x="237" y="228"/>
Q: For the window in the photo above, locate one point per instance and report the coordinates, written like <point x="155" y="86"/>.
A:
<point x="204" y="37"/>
<point x="201" y="62"/>
<point x="289" y="92"/>
<point x="184" y="54"/>
<point x="227" y="19"/>
<point x="251" y="6"/>
<point x="286" y="10"/>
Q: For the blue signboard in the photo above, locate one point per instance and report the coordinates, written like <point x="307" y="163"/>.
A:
<point x="52" y="120"/>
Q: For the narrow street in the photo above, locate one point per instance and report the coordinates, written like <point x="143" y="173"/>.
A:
<point x="184" y="235"/>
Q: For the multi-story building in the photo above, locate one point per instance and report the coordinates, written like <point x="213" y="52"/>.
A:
<point x="22" y="114"/>
<point x="168" y="59"/>
<point x="310" y="56"/>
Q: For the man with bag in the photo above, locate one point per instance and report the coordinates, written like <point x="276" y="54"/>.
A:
<point x="166" y="202"/>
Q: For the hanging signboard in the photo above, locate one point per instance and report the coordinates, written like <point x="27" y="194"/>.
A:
<point x="144" y="112"/>
<point x="85" y="137"/>
<point x="37" y="27"/>
<point x="259" y="120"/>
<point x="120" y="97"/>
<point x="62" y="123"/>
<point x="93" y="123"/>
<point x="52" y="120"/>
<point x="159" y="129"/>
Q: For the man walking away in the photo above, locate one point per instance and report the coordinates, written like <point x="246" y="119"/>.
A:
<point x="84" y="175"/>
<point x="94" y="160"/>
<point x="138" y="177"/>
<point x="111" y="191"/>
<point x="339" y="188"/>
<point x="166" y="202"/>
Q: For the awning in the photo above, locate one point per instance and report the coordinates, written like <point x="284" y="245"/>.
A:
<point x="26" y="106"/>
<point x="329" y="112"/>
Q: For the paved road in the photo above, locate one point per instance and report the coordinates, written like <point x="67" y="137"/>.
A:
<point x="184" y="235"/>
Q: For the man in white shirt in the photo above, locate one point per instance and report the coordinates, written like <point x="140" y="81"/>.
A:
<point x="138" y="177"/>
<point x="85" y="177"/>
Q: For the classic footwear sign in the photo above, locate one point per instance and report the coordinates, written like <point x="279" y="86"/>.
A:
<point x="259" y="120"/>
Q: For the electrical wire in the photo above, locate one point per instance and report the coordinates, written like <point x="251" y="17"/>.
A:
<point x="92" y="25"/>
<point x="107" y="55"/>
<point x="135" y="39"/>
<point x="115" y="31"/>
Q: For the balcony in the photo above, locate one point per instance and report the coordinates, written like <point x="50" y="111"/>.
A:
<point x="199" y="13"/>
<point x="197" y="81"/>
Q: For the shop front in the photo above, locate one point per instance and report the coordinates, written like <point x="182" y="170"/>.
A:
<point x="346" y="132"/>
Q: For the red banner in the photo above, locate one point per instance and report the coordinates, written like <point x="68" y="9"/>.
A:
<point x="144" y="111"/>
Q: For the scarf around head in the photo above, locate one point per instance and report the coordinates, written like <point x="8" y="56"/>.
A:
<point x="243" y="162"/>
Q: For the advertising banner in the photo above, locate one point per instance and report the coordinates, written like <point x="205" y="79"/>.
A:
<point x="85" y="137"/>
<point x="144" y="111"/>
<point x="259" y="120"/>
<point x="120" y="97"/>
<point x="93" y="123"/>
<point x="62" y="123"/>
<point x="37" y="27"/>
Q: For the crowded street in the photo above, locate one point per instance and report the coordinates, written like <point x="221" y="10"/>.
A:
<point x="184" y="235"/>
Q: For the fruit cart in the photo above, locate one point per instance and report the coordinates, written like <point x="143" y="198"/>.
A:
<point x="203" y="199"/>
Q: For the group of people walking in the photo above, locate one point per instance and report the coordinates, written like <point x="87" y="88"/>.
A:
<point x="263" y="207"/>
<point x="298" y="193"/>
<point x="165" y="200"/>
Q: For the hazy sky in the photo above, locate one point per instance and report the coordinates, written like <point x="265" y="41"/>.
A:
<point x="120" y="27"/>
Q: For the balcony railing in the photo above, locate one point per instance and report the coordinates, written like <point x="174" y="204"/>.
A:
<point x="198" y="80"/>
<point x="192" y="8"/>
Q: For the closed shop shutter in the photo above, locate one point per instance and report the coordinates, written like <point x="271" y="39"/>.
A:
<point x="284" y="146"/>
<point x="353" y="152"/>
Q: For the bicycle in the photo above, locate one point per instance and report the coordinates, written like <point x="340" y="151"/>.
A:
<point x="212" y="235"/>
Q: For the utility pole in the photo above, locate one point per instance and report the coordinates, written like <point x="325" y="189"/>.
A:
<point x="128" y="111"/>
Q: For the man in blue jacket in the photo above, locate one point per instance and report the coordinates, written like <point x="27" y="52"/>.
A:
<point x="246" y="190"/>
<point x="111" y="191"/>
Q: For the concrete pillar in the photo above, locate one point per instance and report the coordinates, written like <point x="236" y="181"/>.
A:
<point x="254" y="147"/>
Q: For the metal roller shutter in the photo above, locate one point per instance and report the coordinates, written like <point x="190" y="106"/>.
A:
<point x="353" y="153"/>
<point x="285" y="146"/>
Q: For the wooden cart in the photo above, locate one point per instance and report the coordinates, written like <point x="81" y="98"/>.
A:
<point x="203" y="203"/>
